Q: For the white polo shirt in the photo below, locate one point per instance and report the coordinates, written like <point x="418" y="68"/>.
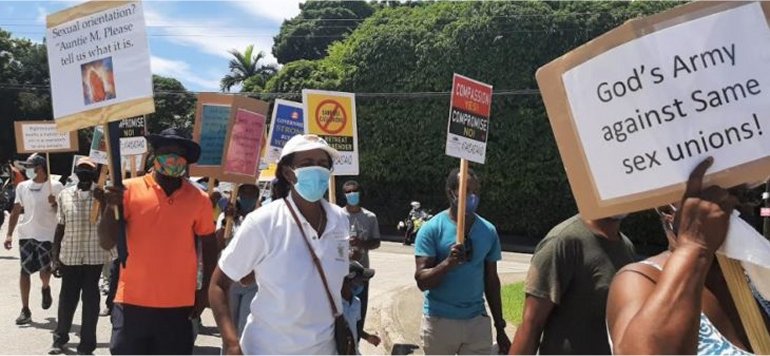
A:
<point x="291" y="312"/>
<point x="39" y="219"/>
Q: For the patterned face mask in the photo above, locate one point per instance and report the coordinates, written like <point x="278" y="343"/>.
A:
<point x="170" y="165"/>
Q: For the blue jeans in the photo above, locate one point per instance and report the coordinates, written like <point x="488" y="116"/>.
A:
<point x="240" y="304"/>
<point x="765" y="304"/>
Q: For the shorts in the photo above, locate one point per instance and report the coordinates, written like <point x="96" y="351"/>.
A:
<point x="35" y="255"/>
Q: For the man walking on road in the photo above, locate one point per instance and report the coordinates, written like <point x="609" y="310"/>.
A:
<point x="367" y="236"/>
<point x="567" y="285"/>
<point x="164" y="212"/>
<point x="457" y="277"/>
<point x="78" y="258"/>
<point x="36" y="197"/>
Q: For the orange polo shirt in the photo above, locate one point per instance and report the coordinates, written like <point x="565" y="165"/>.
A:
<point x="161" y="271"/>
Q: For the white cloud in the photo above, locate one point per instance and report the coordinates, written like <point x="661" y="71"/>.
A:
<point x="215" y="37"/>
<point x="182" y="71"/>
<point x="274" y="10"/>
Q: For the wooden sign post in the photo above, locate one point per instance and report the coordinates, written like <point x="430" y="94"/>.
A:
<point x="635" y="110"/>
<point x="467" y="134"/>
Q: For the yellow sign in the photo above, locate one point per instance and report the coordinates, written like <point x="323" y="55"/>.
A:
<point x="332" y="116"/>
<point x="268" y="174"/>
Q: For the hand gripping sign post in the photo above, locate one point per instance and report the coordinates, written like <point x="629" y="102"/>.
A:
<point x="467" y="133"/>
<point x="231" y="131"/>
<point x="332" y="116"/>
<point x="636" y="109"/>
<point x="42" y="137"/>
<point x="99" y="62"/>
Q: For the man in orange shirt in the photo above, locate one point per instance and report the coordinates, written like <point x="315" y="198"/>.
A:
<point x="156" y="295"/>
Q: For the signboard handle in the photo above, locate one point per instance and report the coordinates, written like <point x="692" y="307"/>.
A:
<point x="229" y="220"/>
<point x="48" y="172"/>
<point x="332" y="190"/>
<point x="461" y="197"/>
<point x="210" y="185"/>
<point x="99" y="183"/>
<point x="112" y="138"/>
<point x="747" y="307"/>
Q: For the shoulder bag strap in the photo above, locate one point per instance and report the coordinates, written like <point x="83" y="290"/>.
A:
<point x="316" y="261"/>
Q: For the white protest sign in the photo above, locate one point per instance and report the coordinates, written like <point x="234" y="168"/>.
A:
<point x="132" y="132"/>
<point x="635" y="110"/>
<point x="42" y="136"/>
<point x="98" y="58"/>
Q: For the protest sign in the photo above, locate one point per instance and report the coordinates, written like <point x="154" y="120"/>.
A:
<point x="99" y="63"/>
<point x="214" y="120"/>
<point x="468" y="127"/>
<point x="245" y="144"/>
<point x="636" y="109"/>
<point x="98" y="152"/>
<point x="268" y="174"/>
<point x="42" y="136"/>
<point x="332" y="116"/>
<point x="132" y="132"/>
<point x="287" y="121"/>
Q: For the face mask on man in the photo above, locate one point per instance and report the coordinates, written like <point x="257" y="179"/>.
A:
<point x="170" y="165"/>
<point x="30" y="172"/>
<point x="312" y="182"/>
<point x="471" y="203"/>
<point x="353" y="198"/>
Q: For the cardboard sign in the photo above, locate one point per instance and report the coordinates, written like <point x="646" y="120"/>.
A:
<point x="468" y="127"/>
<point x="245" y="144"/>
<point x="42" y="136"/>
<point x="332" y="116"/>
<point x="215" y="116"/>
<point x="635" y="110"/>
<point x="132" y="132"/>
<point x="287" y="121"/>
<point x="100" y="64"/>
<point x="98" y="152"/>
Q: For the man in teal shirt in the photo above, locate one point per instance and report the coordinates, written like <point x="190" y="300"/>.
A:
<point x="457" y="277"/>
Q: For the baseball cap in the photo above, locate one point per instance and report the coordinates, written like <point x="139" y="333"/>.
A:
<point x="34" y="160"/>
<point x="307" y="142"/>
<point x="85" y="161"/>
<point x="358" y="270"/>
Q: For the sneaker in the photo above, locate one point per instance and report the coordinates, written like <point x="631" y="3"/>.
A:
<point x="56" y="349"/>
<point x="47" y="299"/>
<point x="25" y="317"/>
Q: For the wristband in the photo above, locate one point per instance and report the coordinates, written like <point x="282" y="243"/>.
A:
<point x="501" y="325"/>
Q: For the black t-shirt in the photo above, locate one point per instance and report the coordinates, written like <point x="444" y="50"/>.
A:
<point x="573" y="268"/>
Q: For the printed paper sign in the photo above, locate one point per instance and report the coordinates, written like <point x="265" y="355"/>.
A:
<point x="287" y="121"/>
<point x="648" y="110"/>
<point x="215" y="119"/>
<point x="332" y="116"/>
<point x="468" y="127"/>
<point x="98" y="151"/>
<point x="98" y="59"/>
<point x="243" y="151"/>
<point x="42" y="136"/>
<point x="132" y="132"/>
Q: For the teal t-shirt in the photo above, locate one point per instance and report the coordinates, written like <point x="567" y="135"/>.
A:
<point x="461" y="293"/>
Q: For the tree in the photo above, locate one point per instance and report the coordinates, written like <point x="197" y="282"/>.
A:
<point x="319" y="23"/>
<point x="174" y="105"/>
<point x="415" y="49"/>
<point x="244" y="66"/>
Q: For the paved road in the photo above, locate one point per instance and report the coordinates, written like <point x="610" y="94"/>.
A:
<point x="393" y="262"/>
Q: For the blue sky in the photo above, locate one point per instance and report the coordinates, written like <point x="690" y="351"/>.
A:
<point x="188" y="40"/>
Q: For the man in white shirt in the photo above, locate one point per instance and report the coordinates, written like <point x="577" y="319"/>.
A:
<point x="36" y="197"/>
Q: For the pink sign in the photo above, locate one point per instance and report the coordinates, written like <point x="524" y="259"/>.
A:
<point x="246" y="137"/>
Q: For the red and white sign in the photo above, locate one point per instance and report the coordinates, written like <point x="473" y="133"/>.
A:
<point x="468" y="127"/>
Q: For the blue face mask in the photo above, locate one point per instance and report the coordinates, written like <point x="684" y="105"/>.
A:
<point x="353" y="198"/>
<point x="357" y="290"/>
<point x="471" y="203"/>
<point x="312" y="182"/>
<point x="247" y="204"/>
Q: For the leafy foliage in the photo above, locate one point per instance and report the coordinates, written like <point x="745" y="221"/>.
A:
<point x="318" y="24"/>
<point x="415" y="49"/>
<point x="245" y="69"/>
<point x="174" y="105"/>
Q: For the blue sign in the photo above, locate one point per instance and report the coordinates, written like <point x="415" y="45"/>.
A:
<point x="288" y="121"/>
<point x="214" y="122"/>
